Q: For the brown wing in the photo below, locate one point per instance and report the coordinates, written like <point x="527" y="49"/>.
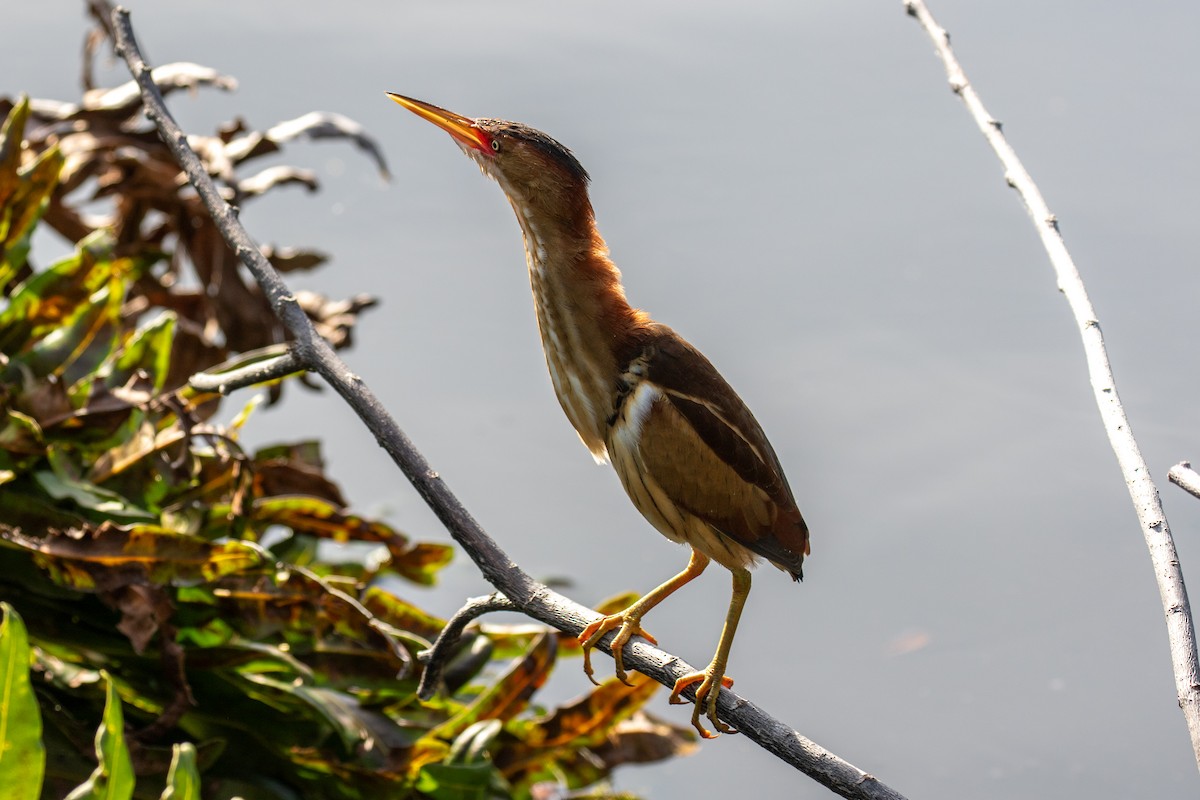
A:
<point x="705" y="449"/>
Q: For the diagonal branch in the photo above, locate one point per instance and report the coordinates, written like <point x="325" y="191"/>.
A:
<point x="529" y="596"/>
<point x="1142" y="491"/>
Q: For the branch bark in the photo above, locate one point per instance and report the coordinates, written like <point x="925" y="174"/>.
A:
<point x="226" y="382"/>
<point x="1186" y="478"/>
<point x="1142" y="491"/>
<point x="532" y="598"/>
<point x="435" y="657"/>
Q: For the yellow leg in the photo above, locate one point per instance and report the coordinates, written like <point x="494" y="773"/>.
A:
<point x="629" y="621"/>
<point x="713" y="678"/>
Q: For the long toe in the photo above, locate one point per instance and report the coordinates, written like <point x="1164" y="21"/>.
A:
<point x="629" y="629"/>
<point x="588" y="638"/>
<point x="683" y="683"/>
<point x="629" y="626"/>
<point x="706" y="700"/>
<point x="711" y="707"/>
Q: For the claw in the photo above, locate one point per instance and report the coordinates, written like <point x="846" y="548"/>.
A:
<point x="706" y="698"/>
<point x="630" y="626"/>
<point x="587" y="640"/>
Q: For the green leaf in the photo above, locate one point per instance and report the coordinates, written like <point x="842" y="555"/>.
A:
<point x="510" y="693"/>
<point x="401" y="614"/>
<point x="471" y="745"/>
<point x="456" y="781"/>
<point x="22" y="755"/>
<point x="315" y="516"/>
<point x="20" y="434"/>
<point x="79" y="335"/>
<point x="89" y="496"/>
<point x="421" y="562"/>
<point x="113" y="778"/>
<point x="149" y="350"/>
<point x="318" y="517"/>
<point x="25" y="208"/>
<point x="244" y="415"/>
<point x="110" y="555"/>
<point x="10" y="153"/>
<point x="38" y="181"/>
<point x="352" y="724"/>
<point x="183" y="781"/>
<point x="52" y="299"/>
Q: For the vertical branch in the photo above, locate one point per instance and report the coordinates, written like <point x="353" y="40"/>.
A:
<point x="1142" y="491"/>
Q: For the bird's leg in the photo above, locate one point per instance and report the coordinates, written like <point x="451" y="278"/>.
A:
<point x="630" y="620"/>
<point x="713" y="677"/>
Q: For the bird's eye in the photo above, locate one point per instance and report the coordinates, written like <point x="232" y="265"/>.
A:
<point x="496" y="145"/>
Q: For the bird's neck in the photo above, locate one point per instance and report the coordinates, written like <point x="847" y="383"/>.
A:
<point x="583" y="317"/>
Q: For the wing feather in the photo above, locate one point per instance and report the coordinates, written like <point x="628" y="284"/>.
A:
<point x="702" y="446"/>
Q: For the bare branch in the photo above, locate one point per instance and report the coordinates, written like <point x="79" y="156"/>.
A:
<point x="435" y="657"/>
<point x="1142" y="491"/>
<point x="529" y="596"/>
<point x="257" y="372"/>
<point x="1186" y="478"/>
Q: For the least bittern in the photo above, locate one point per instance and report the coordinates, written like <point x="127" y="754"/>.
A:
<point x="689" y="453"/>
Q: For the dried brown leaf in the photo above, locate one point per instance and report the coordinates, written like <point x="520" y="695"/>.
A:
<point x="590" y="718"/>
<point x="314" y="125"/>
<point x="334" y="319"/>
<point x="143" y="609"/>
<point x="644" y="738"/>
<point x="127" y="98"/>
<point x="293" y="259"/>
<point x="283" y="472"/>
<point x="272" y="177"/>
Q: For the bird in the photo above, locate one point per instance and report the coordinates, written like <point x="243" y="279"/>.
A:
<point x="687" y="450"/>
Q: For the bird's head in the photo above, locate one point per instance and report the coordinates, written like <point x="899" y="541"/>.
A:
<point x="539" y="175"/>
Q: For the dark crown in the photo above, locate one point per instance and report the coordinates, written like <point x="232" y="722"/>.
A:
<point x="552" y="148"/>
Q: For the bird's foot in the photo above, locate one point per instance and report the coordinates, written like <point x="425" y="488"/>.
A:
<point x="629" y="626"/>
<point x="711" y="681"/>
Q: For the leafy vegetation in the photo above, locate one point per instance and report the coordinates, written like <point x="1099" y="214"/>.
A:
<point x="176" y="621"/>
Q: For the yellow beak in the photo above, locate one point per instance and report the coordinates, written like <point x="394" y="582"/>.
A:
<point x="461" y="128"/>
